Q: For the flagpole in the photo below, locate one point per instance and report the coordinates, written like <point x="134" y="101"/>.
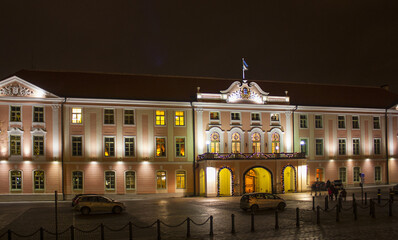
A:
<point x="243" y="70"/>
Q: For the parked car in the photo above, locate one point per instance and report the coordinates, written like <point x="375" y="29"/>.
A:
<point x="255" y="201"/>
<point x="77" y="196"/>
<point x="338" y="184"/>
<point x="318" y="186"/>
<point x="96" y="203"/>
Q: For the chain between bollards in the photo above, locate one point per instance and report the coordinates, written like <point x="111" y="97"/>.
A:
<point x="276" y="220"/>
<point x="297" y="217"/>
<point x="233" y="223"/>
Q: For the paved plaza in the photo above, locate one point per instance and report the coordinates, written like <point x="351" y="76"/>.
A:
<point x="24" y="218"/>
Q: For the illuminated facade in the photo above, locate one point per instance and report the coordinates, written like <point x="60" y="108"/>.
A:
<point x="131" y="134"/>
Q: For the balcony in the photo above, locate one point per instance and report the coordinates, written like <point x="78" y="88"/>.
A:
<point x="249" y="156"/>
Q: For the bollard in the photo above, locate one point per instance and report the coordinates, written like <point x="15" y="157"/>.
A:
<point x="102" y="232"/>
<point x="297" y="217"/>
<point x="211" y="225"/>
<point x="326" y="203"/>
<point x="313" y="203"/>
<point x="188" y="227"/>
<point x="252" y="223"/>
<point x="390" y="208"/>
<point x="9" y="234"/>
<point x="353" y="197"/>
<point x="276" y="220"/>
<point x="337" y="212"/>
<point x="366" y="199"/>
<point x="41" y="234"/>
<point x="391" y="195"/>
<point x="158" y="228"/>
<point x="318" y="220"/>
<point x="372" y="207"/>
<point x="378" y="196"/>
<point x="233" y="223"/>
<point x="339" y="205"/>
<point x="355" y="211"/>
<point x="353" y="200"/>
<point x="72" y="232"/>
<point x="130" y="231"/>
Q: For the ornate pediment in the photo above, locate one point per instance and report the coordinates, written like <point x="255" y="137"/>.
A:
<point x="17" y="87"/>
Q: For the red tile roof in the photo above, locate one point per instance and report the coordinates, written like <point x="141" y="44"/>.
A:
<point x="175" y="88"/>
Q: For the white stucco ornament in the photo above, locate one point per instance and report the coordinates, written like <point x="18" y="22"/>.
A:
<point x="16" y="90"/>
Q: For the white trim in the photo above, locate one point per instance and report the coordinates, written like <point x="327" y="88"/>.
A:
<point x="165" y="146"/>
<point x="33" y="181"/>
<point x="103" y="117"/>
<point x="345" y="122"/>
<point x="135" y="180"/>
<point x="281" y="143"/>
<point x="127" y="102"/>
<point x="124" y="147"/>
<point x="29" y="85"/>
<point x="185" y="120"/>
<point x="71" y="174"/>
<point x="114" y="147"/>
<point x="10" y="184"/>
<point x="165" y="117"/>
<point x="161" y="190"/>
<point x="134" y="118"/>
<point x="175" y="146"/>
<point x="235" y="122"/>
<point x="221" y="134"/>
<point x="262" y="138"/>
<point x="215" y="122"/>
<point x="241" y="135"/>
<point x="71" y="146"/>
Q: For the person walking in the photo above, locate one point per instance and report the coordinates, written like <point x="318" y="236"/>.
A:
<point x="336" y="192"/>
<point x="343" y="194"/>
<point x="330" y="193"/>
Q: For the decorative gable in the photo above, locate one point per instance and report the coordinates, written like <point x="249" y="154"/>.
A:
<point x="17" y="87"/>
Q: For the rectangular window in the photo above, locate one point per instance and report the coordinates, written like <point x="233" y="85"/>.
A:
<point x="76" y="115"/>
<point x="342" y="147"/>
<point x="109" y="147"/>
<point x="357" y="174"/>
<point x="38" y="114"/>
<point x="377" y="146"/>
<point x="77" y="146"/>
<point x="179" y="118"/>
<point x="303" y="121"/>
<point x="180" y="147"/>
<point x="77" y="180"/>
<point x="319" y="147"/>
<point x="15" y="145"/>
<point x="161" y="179"/>
<point x="235" y="116"/>
<point x="274" y="117"/>
<point x="15" y="114"/>
<point x="160" y="118"/>
<point x="355" y="146"/>
<point x="255" y="116"/>
<point x="130" y="180"/>
<point x="304" y="146"/>
<point x="215" y="116"/>
<point x="39" y="179"/>
<point x="110" y="180"/>
<point x="181" y="179"/>
<point x="38" y="145"/>
<point x="160" y="147"/>
<point x="341" y="122"/>
<point x="109" y="116"/>
<point x="318" y="121"/>
<point x="376" y="122"/>
<point x="355" y="122"/>
<point x="377" y="174"/>
<point x="129" y="147"/>
<point x="128" y="117"/>
<point x="343" y="174"/>
<point x="16" y="180"/>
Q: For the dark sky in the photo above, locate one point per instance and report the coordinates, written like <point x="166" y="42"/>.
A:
<point x="323" y="41"/>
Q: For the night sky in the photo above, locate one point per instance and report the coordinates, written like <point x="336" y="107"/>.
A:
<point x="322" y="41"/>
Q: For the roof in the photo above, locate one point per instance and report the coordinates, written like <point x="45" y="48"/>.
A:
<point x="177" y="88"/>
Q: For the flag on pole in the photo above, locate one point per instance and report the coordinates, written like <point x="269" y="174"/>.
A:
<point x="244" y="65"/>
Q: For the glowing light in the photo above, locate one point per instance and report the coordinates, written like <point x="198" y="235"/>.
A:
<point x="331" y="160"/>
<point x="349" y="159"/>
<point x="120" y="162"/>
<point x="367" y="159"/>
<point x="55" y="162"/>
<point x="3" y="161"/>
<point x="27" y="161"/>
<point x="392" y="158"/>
<point x="94" y="162"/>
<point x="302" y="142"/>
<point x="145" y="162"/>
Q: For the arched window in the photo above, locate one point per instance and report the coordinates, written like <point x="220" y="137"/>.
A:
<point x="275" y="143"/>
<point x="256" y="141"/>
<point x="215" y="143"/>
<point x="236" y="143"/>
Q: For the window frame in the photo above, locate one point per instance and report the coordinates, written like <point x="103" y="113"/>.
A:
<point x="81" y="115"/>
<point x="215" y="121"/>
<point x="374" y="148"/>
<point x="306" y="140"/>
<point x="234" y="121"/>
<point x="359" y="122"/>
<point x="124" y="117"/>
<point x="104" y="146"/>
<point x="164" y="116"/>
<point x="378" y="123"/>
<point x="185" y="147"/>
<point x="82" y="182"/>
<point x="34" y="180"/>
<point x="34" y="112"/>
<point x="33" y="145"/>
<point x="72" y="145"/>
<point x="165" y="180"/>
<point x="303" y="122"/>
<point x="319" y="120"/>
<point x="316" y="147"/>
<point x="380" y="174"/>
<point x="275" y="122"/>
<point x="345" y="174"/>
<point x="255" y="122"/>
<point x="165" y="146"/>
<point x="134" y="146"/>
<point x="20" y="144"/>
<point x="343" y="122"/>
<point x="353" y="146"/>
<point x="178" y="117"/>
<point x="11" y="181"/>
<point x="20" y="114"/>
<point x="114" y="180"/>
<point x="185" y="179"/>
<point x="105" y="118"/>
<point x="353" y="174"/>
<point x="125" y="180"/>
<point x="345" y="146"/>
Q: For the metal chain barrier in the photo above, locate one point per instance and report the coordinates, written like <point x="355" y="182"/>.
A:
<point x="87" y="231"/>
<point x="118" y="229"/>
<point x="200" y="224"/>
<point x="2" y="235"/>
<point x="25" y="236"/>
<point x="381" y="206"/>
<point x="143" y="227"/>
<point x="173" y="225"/>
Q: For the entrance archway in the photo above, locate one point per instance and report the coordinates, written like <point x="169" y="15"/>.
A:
<point x="225" y="182"/>
<point x="288" y="179"/>
<point x="202" y="182"/>
<point x="257" y="179"/>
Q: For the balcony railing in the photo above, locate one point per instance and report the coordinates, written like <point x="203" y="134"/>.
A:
<point x="240" y="156"/>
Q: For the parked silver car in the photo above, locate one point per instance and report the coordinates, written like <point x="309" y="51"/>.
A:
<point x="255" y="201"/>
<point x="96" y="203"/>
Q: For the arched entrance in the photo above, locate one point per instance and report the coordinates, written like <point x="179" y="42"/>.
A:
<point x="257" y="179"/>
<point x="225" y="182"/>
<point x="288" y="179"/>
<point x="202" y="182"/>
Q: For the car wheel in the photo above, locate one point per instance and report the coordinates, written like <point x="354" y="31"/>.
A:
<point x="85" y="211"/>
<point x="117" y="209"/>
<point x="281" y="206"/>
<point x="254" y="208"/>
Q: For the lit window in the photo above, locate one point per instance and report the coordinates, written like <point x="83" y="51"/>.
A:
<point x="343" y="174"/>
<point x="129" y="117"/>
<point x="161" y="179"/>
<point x="77" y="144"/>
<point x="235" y="116"/>
<point x="160" y="118"/>
<point x="215" y="116"/>
<point x="109" y="149"/>
<point x="236" y="143"/>
<point x="357" y="174"/>
<point x="274" y="117"/>
<point x="304" y="146"/>
<point x="179" y="118"/>
<point x="377" y="174"/>
<point x="355" y="122"/>
<point x="39" y="179"/>
<point x="376" y="123"/>
<point x="77" y="180"/>
<point x="16" y="180"/>
<point x="319" y="147"/>
<point x="377" y="146"/>
<point x="76" y="115"/>
<point x="15" y="114"/>
<point x="38" y="114"/>
<point x="181" y="179"/>
<point x="342" y="147"/>
<point x="256" y="143"/>
<point x="15" y="145"/>
<point x="110" y="180"/>
<point x="341" y="122"/>
<point x="255" y="116"/>
<point x="38" y="145"/>
<point x="130" y="180"/>
<point x="319" y="174"/>
<point x="129" y="150"/>
<point x="303" y="121"/>
<point x="215" y="143"/>
<point x="355" y="146"/>
<point x="180" y="147"/>
<point x="160" y="147"/>
<point x="109" y="116"/>
<point x="318" y="121"/>
<point x="275" y="143"/>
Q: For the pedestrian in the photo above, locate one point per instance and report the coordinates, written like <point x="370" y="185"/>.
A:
<point x="336" y="192"/>
<point x="330" y="193"/>
<point x="327" y="184"/>
<point x="343" y="194"/>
